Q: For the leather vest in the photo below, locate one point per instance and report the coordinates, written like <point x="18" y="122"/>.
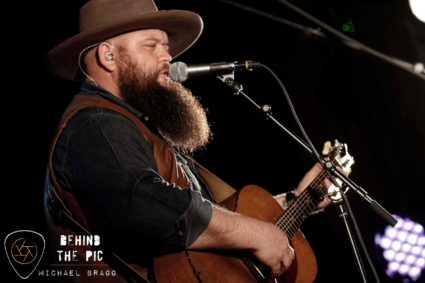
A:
<point x="81" y="213"/>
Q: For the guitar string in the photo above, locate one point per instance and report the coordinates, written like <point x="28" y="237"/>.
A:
<point x="296" y="216"/>
<point x="291" y="212"/>
<point x="294" y="219"/>
<point x="307" y="204"/>
<point x="288" y="218"/>
<point x="305" y="201"/>
<point x="306" y="207"/>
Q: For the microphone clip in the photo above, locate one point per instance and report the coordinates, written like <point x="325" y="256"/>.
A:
<point x="229" y="80"/>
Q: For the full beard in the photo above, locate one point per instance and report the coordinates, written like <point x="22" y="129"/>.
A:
<point x="178" y="115"/>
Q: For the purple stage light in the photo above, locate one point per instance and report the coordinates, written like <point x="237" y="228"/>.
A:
<point x="403" y="248"/>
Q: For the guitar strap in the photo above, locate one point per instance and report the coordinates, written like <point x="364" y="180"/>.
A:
<point x="63" y="205"/>
<point x="219" y="189"/>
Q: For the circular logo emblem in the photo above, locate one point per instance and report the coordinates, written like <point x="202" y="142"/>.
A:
<point x="23" y="251"/>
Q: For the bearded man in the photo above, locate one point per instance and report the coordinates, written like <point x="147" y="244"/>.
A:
<point x="119" y="165"/>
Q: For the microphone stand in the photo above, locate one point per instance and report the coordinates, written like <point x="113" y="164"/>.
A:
<point x="334" y="172"/>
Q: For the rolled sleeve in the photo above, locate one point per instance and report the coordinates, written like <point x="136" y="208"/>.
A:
<point x="170" y="218"/>
<point x="197" y="216"/>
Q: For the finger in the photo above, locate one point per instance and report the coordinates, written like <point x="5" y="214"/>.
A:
<point x="291" y="252"/>
<point x="287" y="260"/>
<point x="324" y="203"/>
<point x="278" y="270"/>
<point x="309" y="177"/>
<point x="327" y="183"/>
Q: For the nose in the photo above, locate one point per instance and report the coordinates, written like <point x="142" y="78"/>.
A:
<point x="164" y="54"/>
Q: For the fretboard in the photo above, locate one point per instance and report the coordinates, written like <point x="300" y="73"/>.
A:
<point x="291" y="220"/>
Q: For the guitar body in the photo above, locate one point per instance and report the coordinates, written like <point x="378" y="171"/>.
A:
<point x="226" y="266"/>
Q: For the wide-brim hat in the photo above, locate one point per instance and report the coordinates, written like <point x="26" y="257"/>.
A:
<point x="103" y="19"/>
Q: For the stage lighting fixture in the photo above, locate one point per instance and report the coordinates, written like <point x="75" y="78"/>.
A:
<point x="418" y="9"/>
<point x="403" y="248"/>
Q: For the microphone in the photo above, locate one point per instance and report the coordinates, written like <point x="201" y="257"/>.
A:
<point x="180" y="72"/>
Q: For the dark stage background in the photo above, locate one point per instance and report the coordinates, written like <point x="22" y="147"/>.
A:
<point x="378" y="109"/>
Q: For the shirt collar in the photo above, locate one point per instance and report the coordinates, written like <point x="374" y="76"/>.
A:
<point x="91" y="89"/>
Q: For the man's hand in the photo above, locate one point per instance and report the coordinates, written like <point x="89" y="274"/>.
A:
<point x="231" y="230"/>
<point x="308" y="178"/>
<point x="274" y="250"/>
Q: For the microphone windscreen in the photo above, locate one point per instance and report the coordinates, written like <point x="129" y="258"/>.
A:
<point x="178" y="72"/>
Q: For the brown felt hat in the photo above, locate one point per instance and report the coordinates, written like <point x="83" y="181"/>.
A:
<point x="103" y="19"/>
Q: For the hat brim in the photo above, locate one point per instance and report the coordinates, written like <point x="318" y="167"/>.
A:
<point x="182" y="27"/>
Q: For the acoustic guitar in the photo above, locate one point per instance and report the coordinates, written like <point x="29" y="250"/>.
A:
<point x="230" y="266"/>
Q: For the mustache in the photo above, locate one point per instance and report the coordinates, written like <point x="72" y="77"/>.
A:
<point x="164" y="68"/>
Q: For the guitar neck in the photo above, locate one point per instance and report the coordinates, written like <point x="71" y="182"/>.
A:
<point x="292" y="218"/>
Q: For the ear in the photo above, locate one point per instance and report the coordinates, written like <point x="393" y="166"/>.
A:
<point x="106" y="57"/>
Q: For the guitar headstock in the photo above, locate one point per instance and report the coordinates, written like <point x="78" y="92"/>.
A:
<point x="339" y="155"/>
